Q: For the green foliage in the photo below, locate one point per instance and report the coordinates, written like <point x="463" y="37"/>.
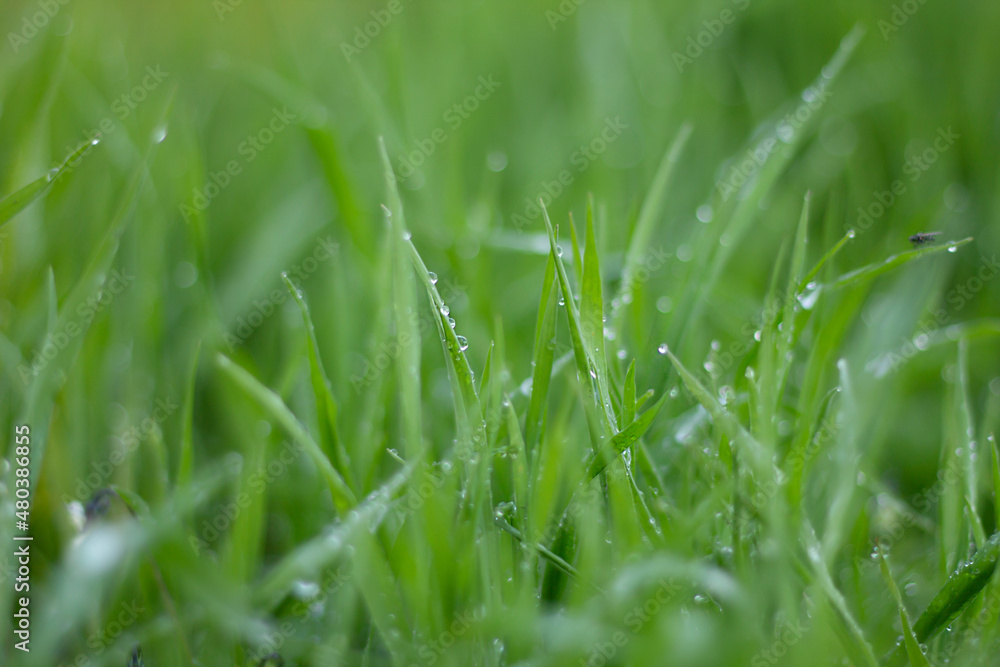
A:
<point x="242" y="333"/>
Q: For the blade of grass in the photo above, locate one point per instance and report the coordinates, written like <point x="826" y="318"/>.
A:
<point x="13" y="204"/>
<point x="872" y="271"/>
<point x="624" y="439"/>
<point x="913" y="651"/>
<point x="326" y="404"/>
<point x="542" y="357"/>
<point x="185" y="461"/>
<point x="600" y="427"/>
<point x="856" y="643"/>
<point x="649" y="215"/>
<point x="343" y="497"/>
<point x="957" y="593"/>
<point x="404" y="308"/>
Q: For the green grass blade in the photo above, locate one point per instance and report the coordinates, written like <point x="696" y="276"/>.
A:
<point x="913" y="652"/>
<point x="995" y="458"/>
<point x="725" y="420"/>
<point x="326" y="404"/>
<point x="306" y="560"/>
<point x="957" y="593"/>
<point x="872" y="271"/>
<point x="830" y="254"/>
<point x="20" y="200"/>
<point x="600" y="426"/>
<point x="650" y="213"/>
<point x="624" y="439"/>
<point x="343" y="497"/>
<point x="592" y="316"/>
<point x="404" y="301"/>
<point x="628" y="396"/>
<point x="577" y="255"/>
<point x="856" y="643"/>
<point x="41" y="392"/>
<point x="185" y="461"/>
<point x="542" y="357"/>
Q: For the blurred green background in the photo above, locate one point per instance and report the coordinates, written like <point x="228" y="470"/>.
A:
<point x="280" y="106"/>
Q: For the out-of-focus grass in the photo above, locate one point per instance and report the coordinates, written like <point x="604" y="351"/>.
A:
<point x="454" y="433"/>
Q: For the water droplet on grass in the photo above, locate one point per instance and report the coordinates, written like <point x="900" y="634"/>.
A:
<point x="662" y="349"/>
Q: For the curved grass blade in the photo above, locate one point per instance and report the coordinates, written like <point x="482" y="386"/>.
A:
<point x="326" y="404"/>
<point x="913" y="652"/>
<point x="343" y="497"/>
<point x="545" y="343"/>
<point x="957" y="593"/>
<point x="600" y="425"/>
<point x="649" y="214"/>
<point x="628" y="396"/>
<point x="20" y="200"/>
<point x="872" y="271"/>
<point x="852" y="635"/>
<point x="41" y="391"/>
<point x="311" y="557"/>
<point x="830" y="254"/>
<point x="624" y="439"/>
<point x="186" y="458"/>
<point x="743" y="208"/>
<point x="724" y="419"/>
<point x="404" y="307"/>
<point x="592" y="316"/>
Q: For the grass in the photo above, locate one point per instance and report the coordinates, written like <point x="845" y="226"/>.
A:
<point x="289" y="403"/>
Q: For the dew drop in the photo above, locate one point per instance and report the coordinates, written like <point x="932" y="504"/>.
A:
<point x="463" y="344"/>
<point x="953" y="248"/>
<point x="445" y="310"/>
<point x="662" y="349"/>
<point x="433" y="276"/>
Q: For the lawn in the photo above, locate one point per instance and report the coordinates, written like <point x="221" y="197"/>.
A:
<point x="569" y="332"/>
